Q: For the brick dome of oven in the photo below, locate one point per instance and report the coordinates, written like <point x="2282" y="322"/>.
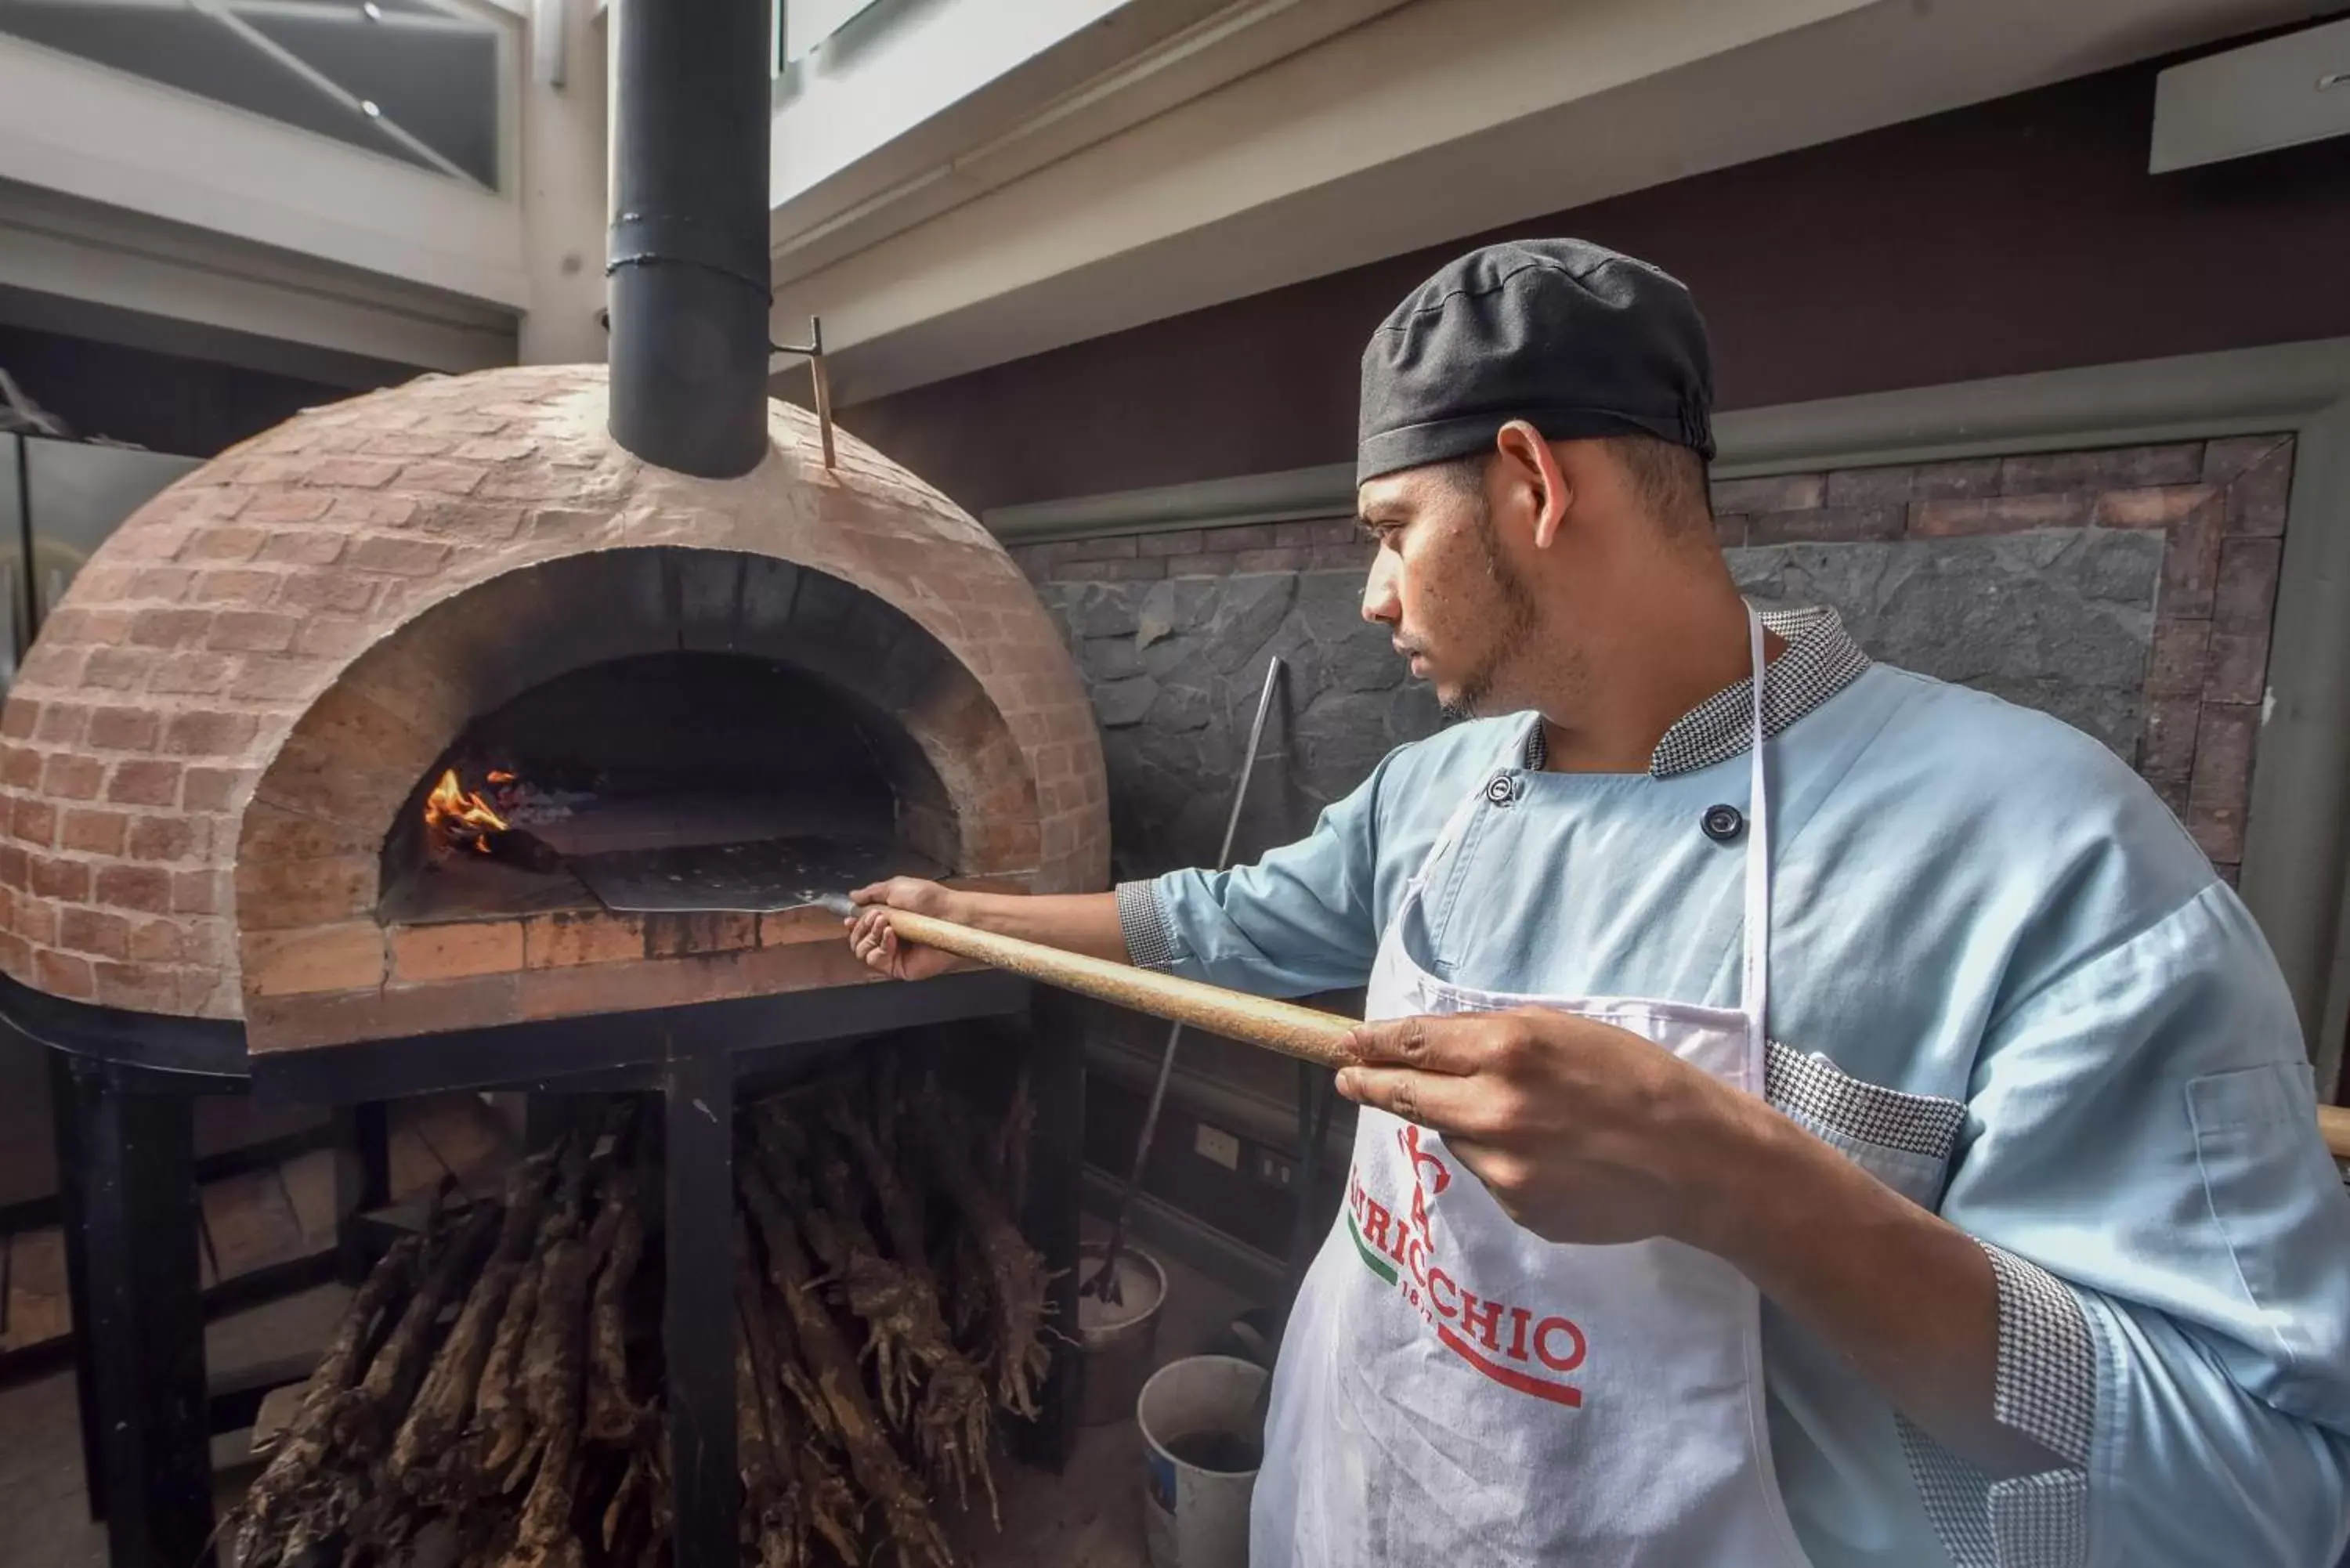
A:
<point x="204" y="750"/>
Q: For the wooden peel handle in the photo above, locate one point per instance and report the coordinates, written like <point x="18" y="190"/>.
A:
<point x="2333" y="1121"/>
<point x="1283" y="1026"/>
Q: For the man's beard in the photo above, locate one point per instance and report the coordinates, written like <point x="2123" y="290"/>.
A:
<point x="1514" y="624"/>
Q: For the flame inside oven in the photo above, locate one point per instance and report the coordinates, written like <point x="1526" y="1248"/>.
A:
<point x="456" y="816"/>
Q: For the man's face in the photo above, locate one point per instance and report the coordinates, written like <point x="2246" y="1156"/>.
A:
<point x="1443" y="586"/>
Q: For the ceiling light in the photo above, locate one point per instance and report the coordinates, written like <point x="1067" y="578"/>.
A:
<point x="368" y="107"/>
<point x="373" y="12"/>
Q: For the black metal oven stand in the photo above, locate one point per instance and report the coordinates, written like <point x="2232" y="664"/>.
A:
<point x="126" y="1083"/>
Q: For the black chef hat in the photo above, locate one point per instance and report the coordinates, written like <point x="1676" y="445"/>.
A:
<point x="1572" y="338"/>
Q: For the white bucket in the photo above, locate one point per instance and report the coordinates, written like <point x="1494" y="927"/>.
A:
<point x="1116" y="1342"/>
<point x="1198" y="1418"/>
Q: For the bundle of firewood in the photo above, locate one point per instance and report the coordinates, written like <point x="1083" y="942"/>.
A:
<point x="496" y="1385"/>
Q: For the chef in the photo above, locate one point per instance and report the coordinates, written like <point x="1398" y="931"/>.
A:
<point x="1810" y="1113"/>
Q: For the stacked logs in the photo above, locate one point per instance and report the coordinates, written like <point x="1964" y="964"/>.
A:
<point x="495" y="1388"/>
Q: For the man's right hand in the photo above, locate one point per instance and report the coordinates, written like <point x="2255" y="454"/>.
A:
<point x="1079" y="922"/>
<point x="873" y="941"/>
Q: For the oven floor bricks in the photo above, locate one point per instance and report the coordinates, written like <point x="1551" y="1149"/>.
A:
<point x="191" y="748"/>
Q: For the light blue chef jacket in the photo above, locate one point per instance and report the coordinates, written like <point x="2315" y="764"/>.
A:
<point x="1982" y="922"/>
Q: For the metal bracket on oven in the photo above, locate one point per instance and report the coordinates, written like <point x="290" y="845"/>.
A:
<point x="813" y="355"/>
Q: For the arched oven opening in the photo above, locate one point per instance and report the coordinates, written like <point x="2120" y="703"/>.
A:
<point x="683" y="780"/>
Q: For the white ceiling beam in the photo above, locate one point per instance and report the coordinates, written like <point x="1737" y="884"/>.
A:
<point x="1441" y="119"/>
<point x="61" y="249"/>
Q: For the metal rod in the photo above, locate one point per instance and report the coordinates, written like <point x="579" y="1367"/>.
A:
<point x="821" y="379"/>
<point x="1103" y="1283"/>
<point x="1055" y="1052"/>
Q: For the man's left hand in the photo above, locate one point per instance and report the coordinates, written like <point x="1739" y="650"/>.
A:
<point x="1583" y="1132"/>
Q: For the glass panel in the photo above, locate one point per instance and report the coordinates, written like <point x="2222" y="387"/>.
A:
<point x="77" y="496"/>
<point x="440" y="87"/>
<point x="808" y="23"/>
<point x="429" y="71"/>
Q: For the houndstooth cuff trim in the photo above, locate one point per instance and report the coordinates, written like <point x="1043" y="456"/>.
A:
<point x="1149" y="944"/>
<point x="1957" y="1499"/>
<point x="1820" y="660"/>
<point x="2041" y="1518"/>
<point x="2047" y="1363"/>
<point x="1814" y="1090"/>
<point x="2045" y="1389"/>
<point x="2030" y="1522"/>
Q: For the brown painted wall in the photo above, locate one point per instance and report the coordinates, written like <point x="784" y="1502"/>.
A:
<point x="2018" y="236"/>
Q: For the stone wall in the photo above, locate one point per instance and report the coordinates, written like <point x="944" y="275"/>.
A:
<point x="2128" y="591"/>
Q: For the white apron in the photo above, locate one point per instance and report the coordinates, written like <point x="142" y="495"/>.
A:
<point x="1453" y="1389"/>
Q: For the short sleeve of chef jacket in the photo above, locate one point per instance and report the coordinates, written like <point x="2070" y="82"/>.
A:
<point x="1978" y="907"/>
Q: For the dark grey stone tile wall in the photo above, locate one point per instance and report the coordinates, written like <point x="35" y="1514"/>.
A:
<point x="2060" y="620"/>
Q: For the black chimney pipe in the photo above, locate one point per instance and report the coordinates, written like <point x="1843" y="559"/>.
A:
<point x="688" y="266"/>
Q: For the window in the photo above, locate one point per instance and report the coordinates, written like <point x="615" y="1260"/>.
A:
<point x="805" y="23"/>
<point x="420" y="80"/>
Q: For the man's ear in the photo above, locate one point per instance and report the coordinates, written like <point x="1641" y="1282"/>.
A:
<point x="1530" y="466"/>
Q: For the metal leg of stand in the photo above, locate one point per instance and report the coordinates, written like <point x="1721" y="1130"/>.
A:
<point x="138" y="1209"/>
<point x="65" y="1113"/>
<point x="1057" y="1083"/>
<point x="698" y="1311"/>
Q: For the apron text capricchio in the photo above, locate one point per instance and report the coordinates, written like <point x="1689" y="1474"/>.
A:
<point x="1527" y="1349"/>
<point x="1451" y="1385"/>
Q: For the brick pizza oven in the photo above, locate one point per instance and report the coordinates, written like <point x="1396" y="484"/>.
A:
<point x="216" y="763"/>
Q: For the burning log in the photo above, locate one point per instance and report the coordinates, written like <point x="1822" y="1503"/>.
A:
<point x="458" y="820"/>
<point x="292" y="1505"/>
<point x="905" y="1512"/>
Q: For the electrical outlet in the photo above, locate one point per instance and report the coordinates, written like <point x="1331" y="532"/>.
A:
<point x="1222" y="1146"/>
<point x="1272" y="1167"/>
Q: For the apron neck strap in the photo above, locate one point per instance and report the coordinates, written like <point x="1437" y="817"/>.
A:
<point x="1755" y="984"/>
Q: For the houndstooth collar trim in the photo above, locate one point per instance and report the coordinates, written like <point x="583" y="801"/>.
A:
<point x="1820" y="660"/>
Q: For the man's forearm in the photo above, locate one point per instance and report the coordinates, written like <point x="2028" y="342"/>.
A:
<point x="1910" y="1300"/>
<point x="1078" y="922"/>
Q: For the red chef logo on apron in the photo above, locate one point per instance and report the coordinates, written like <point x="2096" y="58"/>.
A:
<point x="1521" y="1348"/>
